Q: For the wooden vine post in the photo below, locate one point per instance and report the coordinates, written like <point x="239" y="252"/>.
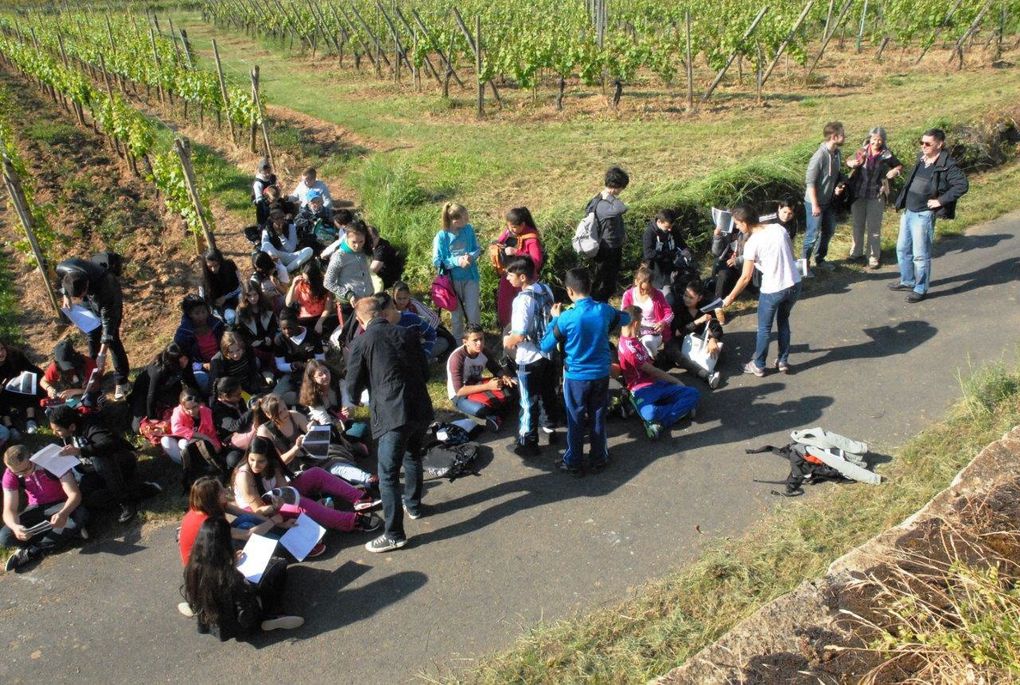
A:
<point x="478" y="65"/>
<point x="786" y="41"/>
<point x="183" y="149"/>
<point x="262" y="114"/>
<point x="690" y="62"/>
<point x="223" y="89"/>
<point x="13" y="184"/>
<point x="736" y="51"/>
<point x="159" y="66"/>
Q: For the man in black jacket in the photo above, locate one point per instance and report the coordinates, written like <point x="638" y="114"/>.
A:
<point x="931" y="192"/>
<point x="388" y="361"/>
<point x="105" y="457"/>
<point x="97" y="287"/>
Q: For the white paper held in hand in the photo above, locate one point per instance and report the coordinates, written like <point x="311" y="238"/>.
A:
<point x="300" y="539"/>
<point x="83" y="317"/>
<point x="255" y="557"/>
<point x="52" y="460"/>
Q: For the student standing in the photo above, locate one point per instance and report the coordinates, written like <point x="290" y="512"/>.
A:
<point x="609" y="211"/>
<point x="583" y="330"/>
<point x="824" y="181"/>
<point x="455" y="251"/>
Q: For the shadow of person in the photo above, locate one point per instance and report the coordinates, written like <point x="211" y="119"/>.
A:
<point x="999" y="273"/>
<point x="966" y="243"/>
<point x="325" y="601"/>
<point x="886" y="341"/>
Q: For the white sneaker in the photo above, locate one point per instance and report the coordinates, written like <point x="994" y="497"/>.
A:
<point x="122" y="391"/>
<point x="713" y="380"/>
<point x="31" y="427"/>
<point x="283" y="622"/>
<point x="184" y="609"/>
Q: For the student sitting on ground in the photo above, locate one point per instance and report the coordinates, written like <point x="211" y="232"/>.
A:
<point x="348" y="276"/>
<point x="274" y="199"/>
<point x="236" y="360"/>
<point x="57" y="500"/>
<point x="403" y="301"/>
<point x="157" y="390"/>
<point x="688" y="320"/>
<point x="656" y="313"/>
<point x="482" y="398"/>
<point x="218" y="595"/>
<point x="264" y="180"/>
<point x="280" y="241"/>
<point x="661" y="399"/>
<point x="294" y="347"/>
<point x="13" y="363"/>
<point x="314" y="224"/>
<point x="314" y="305"/>
<point x="387" y="263"/>
<point x="209" y="499"/>
<point x="309" y="182"/>
<point x="108" y="463"/>
<point x="256" y="322"/>
<point x="68" y="374"/>
<point x="197" y="442"/>
<point x="236" y="423"/>
<point x="222" y="285"/>
<point x="269" y="278"/>
<point x="198" y="336"/>
<point x="263" y="471"/>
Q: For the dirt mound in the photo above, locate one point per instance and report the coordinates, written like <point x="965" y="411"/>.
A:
<point x="880" y="613"/>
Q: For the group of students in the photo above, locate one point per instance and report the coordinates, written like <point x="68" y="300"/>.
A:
<point x="232" y="398"/>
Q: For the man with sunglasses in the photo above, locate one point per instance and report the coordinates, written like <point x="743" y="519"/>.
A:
<point x="931" y="192"/>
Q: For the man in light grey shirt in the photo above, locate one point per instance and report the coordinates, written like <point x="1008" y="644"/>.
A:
<point x="824" y="181"/>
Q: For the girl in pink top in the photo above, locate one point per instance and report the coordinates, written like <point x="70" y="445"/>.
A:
<point x="520" y="237"/>
<point x="656" y="313"/>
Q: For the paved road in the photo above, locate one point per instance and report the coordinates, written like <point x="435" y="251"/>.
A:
<point x="521" y="543"/>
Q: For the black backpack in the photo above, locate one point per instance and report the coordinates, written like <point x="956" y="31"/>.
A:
<point x="450" y="462"/>
<point x="111" y="261"/>
<point x="801" y="469"/>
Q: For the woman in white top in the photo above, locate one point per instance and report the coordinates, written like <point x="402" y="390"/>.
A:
<point x="768" y="249"/>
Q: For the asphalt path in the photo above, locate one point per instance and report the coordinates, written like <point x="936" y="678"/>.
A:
<point x="522" y="543"/>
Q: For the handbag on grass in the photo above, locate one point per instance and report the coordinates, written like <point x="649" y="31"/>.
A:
<point x="695" y="348"/>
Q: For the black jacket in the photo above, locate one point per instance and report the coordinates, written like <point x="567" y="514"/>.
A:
<point x="104" y="293"/>
<point x="389" y="362"/>
<point x="662" y="252"/>
<point x="948" y="180"/>
<point x="158" y="389"/>
<point x="230" y="419"/>
<point x="97" y="441"/>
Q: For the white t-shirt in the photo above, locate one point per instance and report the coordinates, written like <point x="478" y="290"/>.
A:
<point x="524" y="310"/>
<point x="770" y="249"/>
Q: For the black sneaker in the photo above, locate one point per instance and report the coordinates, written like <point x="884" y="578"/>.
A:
<point x="900" y="286"/>
<point x="150" y="488"/>
<point x="600" y="466"/>
<point x="527" y="449"/>
<point x="21" y="558"/>
<point x="127" y="512"/>
<point x="368" y="522"/>
<point x="915" y="297"/>
<point x="564" y="467"/>
<point x="384" y="543"/>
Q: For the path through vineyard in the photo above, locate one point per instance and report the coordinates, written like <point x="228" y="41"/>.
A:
<point x="520" y="543"/>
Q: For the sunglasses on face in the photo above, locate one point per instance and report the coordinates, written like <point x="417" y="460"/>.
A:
<point x="925" y="143"/>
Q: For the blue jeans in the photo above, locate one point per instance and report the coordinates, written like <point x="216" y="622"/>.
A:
<point x="774" y="307"/>
<point x="586" y="411"/>
<point x="665" y="403"/>
<point x="396" y="448"/>
<point x="913" y="249"/>
<point x="824" y="224"/>
<point x="471" y="408"/>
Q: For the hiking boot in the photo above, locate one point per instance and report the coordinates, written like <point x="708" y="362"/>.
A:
<point x="366" y="503"/>
<point x="31" y="427"/>
<point x="184" y="609"/>
<point x="283" y="622"/>
<point x="494" y="423"/>
<point x="21" y="558"/>
<point x="915" y="297"/>
<point x="713" y="380"/>
<point x="413" y="515"/>
<point x="751" y="367"/>
<point x="366" y="523"/>
<point x="122" y="391"/>
<point x="900" y="286"/>
<point x="127" y="512"/>
<point x="384" y="543"/>
<point x="527" y="449"/>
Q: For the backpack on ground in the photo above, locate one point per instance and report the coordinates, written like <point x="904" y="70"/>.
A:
<point x="817" y="455"/>
<point x="586" y="236"/>
<point x="448" y="452"/>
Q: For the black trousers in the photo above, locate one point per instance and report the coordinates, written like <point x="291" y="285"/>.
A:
<point x="607" y="273"/>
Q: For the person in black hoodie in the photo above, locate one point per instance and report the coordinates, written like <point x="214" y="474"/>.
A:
<point x="609" y="212"/>
<point x="159" y="386"/>
<point x="235" y="422"/>
<point x="931" y="192"/>
<point x="665" y="253"/>
<point x="98" y="288"/>
<point x="107" y="460"/>
<point x="222" y="284"/>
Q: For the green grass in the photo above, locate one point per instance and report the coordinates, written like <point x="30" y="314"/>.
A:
<point x="671" y="619"/>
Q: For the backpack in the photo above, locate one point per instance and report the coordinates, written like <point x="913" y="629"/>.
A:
<point x="450" y="461"/>
<point x="818" y="455"/>
<point x="111" y="261"/>
<point x="542" y="314"/>
<point x="586" y="235"/>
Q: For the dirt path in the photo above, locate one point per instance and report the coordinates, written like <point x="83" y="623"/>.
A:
<point x="521" y="543"/>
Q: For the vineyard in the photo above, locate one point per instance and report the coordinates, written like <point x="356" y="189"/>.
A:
<point x="530" y="44"/>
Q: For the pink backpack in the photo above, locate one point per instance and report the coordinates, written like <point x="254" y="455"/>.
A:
<point x="443" y="294"/>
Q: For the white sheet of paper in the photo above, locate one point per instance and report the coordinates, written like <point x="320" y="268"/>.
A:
<point x="255" y="557"/>
<point x="25" y="383"/>
<point x="712" y="306"/>
<point x="300" y="539"/>
<point x="49" y="458"/>
<point x="83" y="317"/>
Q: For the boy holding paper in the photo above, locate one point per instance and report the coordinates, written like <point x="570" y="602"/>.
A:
<point x="50" y="499"/>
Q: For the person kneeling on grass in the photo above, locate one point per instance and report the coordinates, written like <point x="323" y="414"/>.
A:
<point x="220" y="598"/>
<point x="661" y="399"/>
<point x="481" y="398"/>
<point x="108" y="463"/>
<point x="57" y="500"/>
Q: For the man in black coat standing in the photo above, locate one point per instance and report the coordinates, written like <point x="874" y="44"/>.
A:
<point x="388" y="361"/>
